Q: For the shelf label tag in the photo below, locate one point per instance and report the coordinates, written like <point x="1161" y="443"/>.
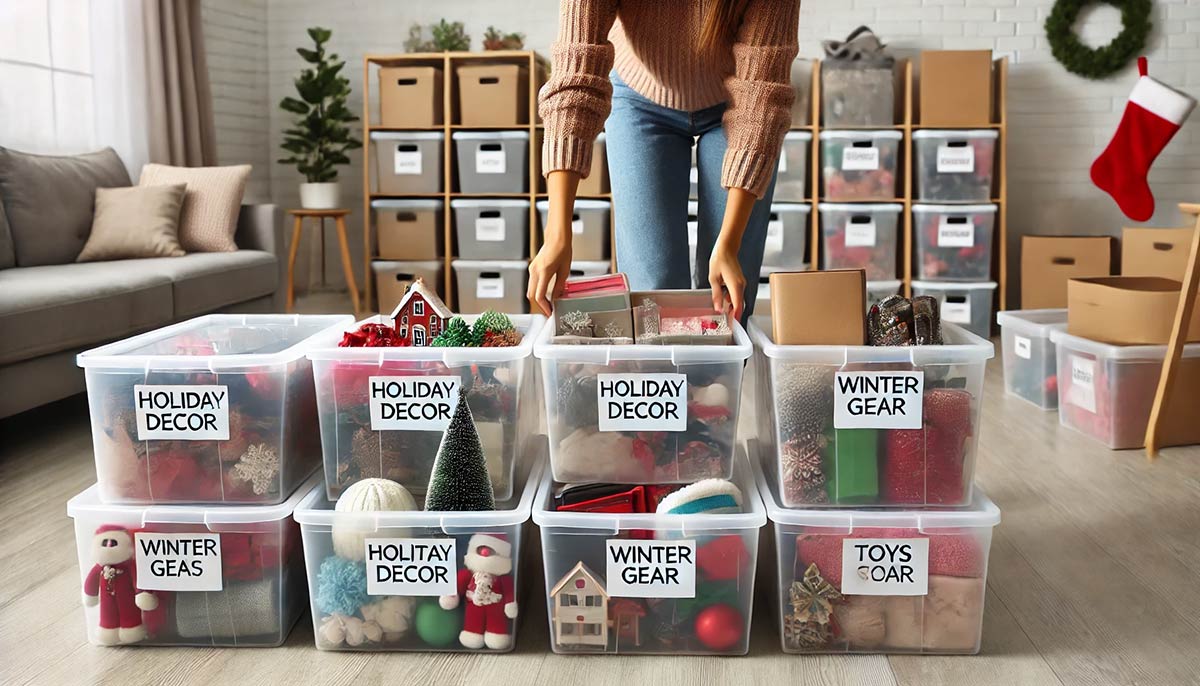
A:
<point x="885" y="566"/>
<point x="489" y="288"/>
<point x="178" y="562"/>
<point x="860" y="159"/>
<point x="489" y="229"/>
<point x="1082" y="393"/>
<point x="954" y="159"/>
<point x="878" y="400"/>
<point x="958" y="313"/>
<point x="181" y="413"/>
<point x="412" y="403"/>
<point x="650" y="569"/>
<point x="411" y="566"/>
<point x="406" y="162"/>
<point x="642" y="402"/>
<point x="860" y="234"/>
<point x="955" y="232"/>
<point x="1022" y="346"/>
<point x="490" y="162"/>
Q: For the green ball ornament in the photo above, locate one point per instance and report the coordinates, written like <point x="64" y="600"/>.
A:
<point x="437" y="627"/>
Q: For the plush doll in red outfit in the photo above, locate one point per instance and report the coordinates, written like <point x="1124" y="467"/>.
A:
<point x="112" y="584"/>
<point x="486" y="583"/>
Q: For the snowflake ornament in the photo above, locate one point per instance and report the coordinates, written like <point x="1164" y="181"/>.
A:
<point x="259" y="465"/>
<point x="577" y="321"/>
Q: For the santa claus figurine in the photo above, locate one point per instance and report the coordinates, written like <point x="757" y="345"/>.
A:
<point x="112" y="584"/>
<point x="486" y="583"/>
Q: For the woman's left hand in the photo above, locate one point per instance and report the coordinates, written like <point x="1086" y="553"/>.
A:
<point x="728" y="283"/>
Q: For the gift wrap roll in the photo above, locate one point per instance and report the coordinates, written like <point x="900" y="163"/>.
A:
<point x="241" y="610"/>
<point x="852" y="466"/>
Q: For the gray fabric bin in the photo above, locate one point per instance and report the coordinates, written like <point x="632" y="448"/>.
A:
<point x="408" y="161"/>
<point x="490" y="229"/>
<point x="589" y="228"/>
<point x="492" y="161"/>
<point x="491" y="285"/>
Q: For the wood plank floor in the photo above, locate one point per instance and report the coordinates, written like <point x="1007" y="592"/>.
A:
<point x="1094" y="579"/>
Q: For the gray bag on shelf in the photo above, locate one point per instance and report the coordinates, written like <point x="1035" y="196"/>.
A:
<point x="858" y="82"/>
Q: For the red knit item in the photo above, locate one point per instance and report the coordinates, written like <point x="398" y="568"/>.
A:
<point x="926" y="465"/>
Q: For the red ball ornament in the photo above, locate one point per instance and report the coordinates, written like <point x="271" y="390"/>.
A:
<point x="720" y="627"/>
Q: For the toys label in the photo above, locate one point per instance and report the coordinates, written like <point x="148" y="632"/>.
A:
<point x="651" y="569"/>
<point x="406" y="162"/>
<point x="860" y="234"/>
<point x="1082" y="393"/>
<point x="489" y="288"/>
<point x="955" y="232"/>
<point x="412" y="403"/>
<point x="860" y="159"/>
<point x="774" y="236"/>
<point x="885" y="566"/>
<point x="878" y="400"/>
<point x="577" y="226"/>
<point x="958" y="313"/>
<point x="181" y="413"/>
<point x="490" y="161"/>
<point x="642" y="402"/>
<point x="489" y="229"/>
<point x="178" y="562"/>
<point x="411" y="566"/>
<point x="1022" y="346"/>
<point x="955" y="159"/>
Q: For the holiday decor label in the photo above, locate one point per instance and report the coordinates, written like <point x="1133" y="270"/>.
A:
<point x="178" y="562"/>
<point x="885" y="566"/>
<point x="181" y="413"/>
<point x="489" y="161"/>
<point x="489" y="288"/>
<point x="411" y="566"/>
<point x="957" y="312"/>
<point x="651" y="569"/>
<point x="1082" y="392"/>
<point x="878" y="400"/>
<point x="860" y="232"/>
<point x="774" y="235"/>
<point x="955" y="159"/>
<point x="860" y="159"/>
<point x="956" y="232"/>
<point x="407" y="160"/>
<point x="412" y="403"/>
<point x="489" y="229"/>
<point x="642" y="402"/>
<point x="1022" y="346"/>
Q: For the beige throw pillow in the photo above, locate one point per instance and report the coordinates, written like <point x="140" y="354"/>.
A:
<point x="135" y="222"/>
<point x="210" y="205"/>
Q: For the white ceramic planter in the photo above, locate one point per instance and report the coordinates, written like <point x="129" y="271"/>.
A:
<point x="319" y="196"/>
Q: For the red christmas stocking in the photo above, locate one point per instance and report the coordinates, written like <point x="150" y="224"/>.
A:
<point x="1152" y="117"/>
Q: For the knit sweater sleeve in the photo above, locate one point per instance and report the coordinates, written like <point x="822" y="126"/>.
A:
<point x="576" y="99"/>
<point x="760" y="93"/>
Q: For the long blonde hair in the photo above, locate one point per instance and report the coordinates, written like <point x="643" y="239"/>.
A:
<point x="720" y="23"/>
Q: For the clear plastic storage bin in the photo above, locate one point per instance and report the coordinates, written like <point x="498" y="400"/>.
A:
<point x="405" y="564"/>
<point x="787" y="236"/>
<point x="854" y="96"/>
<point x="590" y="236"/>
<point x="930" y="601"/>
<point x="955" y="166"/>
<point x="491" y="229"/>
<point x="689" y="592"/>
<point x="861" y="236"/>
<point x="679" y="436"/>
<point x="217" y="409"/>
<point x="1030" y="362"/>
<point x="878" y="290"/>
<point x="954" y="242"/>
<point x="408" y="229"/>
<point x="492" y="161"/>
<point x="372" y="430"/>
<point x="1106" y="391"/>
<point x="408" y="161"/>
<point x="963" y="303"/>
<point x="791" y="181"/>
<point x="860" y="165"/>
<point x="189" y="575"/>
<point x="871" y="426"/>
<point x="491" y="285"/>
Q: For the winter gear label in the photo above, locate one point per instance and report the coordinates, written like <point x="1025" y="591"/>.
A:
<point x="178" y="562"/>
<point x="955" y="159"/>
<point x="885" y="566"/>
<point x="411" y="566"/>
<point x="956" y="232"/>
<point x="878" y="400"/>
<point x="181" y="413"/>
<point x="651" y="569"/>
<point x="860" y="159"/>
<point x="1082" y="392"/>
<point x="412" y="403"/>
<point x="642" y="402"/>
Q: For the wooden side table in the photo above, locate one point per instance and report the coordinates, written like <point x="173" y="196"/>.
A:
<point x="339" y="218"/>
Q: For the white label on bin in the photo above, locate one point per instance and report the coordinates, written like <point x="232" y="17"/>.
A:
<point x="411" y="566"/>
<point x="490" y="162"/>
<point x="1082" y="392"/>
<point x="693" y="232"/>
<point x="955" y="234"/>
<point x="181" y="413"/>
<point x="878" y="400"/>
<point x="860" y="159"/>
<point x="782" y="162"/>
<point x="774" y="236"/>
<point x="860" y="234"/>
<point x="694" y="175"/>
<point x="178" y="562"/>
<point x="489" y="289"/>
<point x="1022" y="346"/>
<point x="651" y="569"/>
<point x="412" y="403"/>
<point x="955" y="159"/>
<point x="885" y="566"/>
<point x="489" y="229"/>
<point x="958" y="313"/>
<point x="642" y="402"/>
<point x="576" y="226"/>
<point x="406" y="162"/>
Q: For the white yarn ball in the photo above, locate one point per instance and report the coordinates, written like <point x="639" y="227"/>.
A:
<point x="368" y="495"/>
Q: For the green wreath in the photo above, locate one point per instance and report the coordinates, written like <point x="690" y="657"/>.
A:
<point x="1097" y="63"/>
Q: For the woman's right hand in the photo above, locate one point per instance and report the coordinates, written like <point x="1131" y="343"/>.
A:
<point x="548" y="272"/>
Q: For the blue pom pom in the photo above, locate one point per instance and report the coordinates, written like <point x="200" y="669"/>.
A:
<point x="341" y="586"/>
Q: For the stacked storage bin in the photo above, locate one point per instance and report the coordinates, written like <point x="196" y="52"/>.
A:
<point x="1030" y="358"/>
<point x="204" y="435"/>
<point x="856" y="447"/>
<point x="954" y="223"/>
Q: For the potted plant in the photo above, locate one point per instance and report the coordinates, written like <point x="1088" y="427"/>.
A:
<point x="319" y="138"/>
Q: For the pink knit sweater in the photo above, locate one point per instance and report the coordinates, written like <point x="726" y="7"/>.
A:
<point x="655" y="47"/>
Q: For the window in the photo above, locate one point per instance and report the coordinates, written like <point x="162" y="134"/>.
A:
<point x="568" y="601"/>
<point x="592" y="601"/>
<point x="418" y="336"/>
<point x="568" y="629"/>
<point x="591" y="629"/>
<point x="419" y="308"/>
<point x="404" y="319"/>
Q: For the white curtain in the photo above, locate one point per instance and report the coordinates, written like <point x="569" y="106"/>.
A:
<point x="120" y="81"/>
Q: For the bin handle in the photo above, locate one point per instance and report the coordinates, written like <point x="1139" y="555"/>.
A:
<point x="1165" y="247"/>
<point x="489" y="80"/>
<point x="406" y="82"/>
<point x="1062" y="260"/>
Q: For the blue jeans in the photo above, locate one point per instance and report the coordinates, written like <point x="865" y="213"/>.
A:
<point x="649" y="157"/>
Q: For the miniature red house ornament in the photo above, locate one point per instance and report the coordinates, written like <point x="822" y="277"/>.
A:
<point x="421" y="315"/>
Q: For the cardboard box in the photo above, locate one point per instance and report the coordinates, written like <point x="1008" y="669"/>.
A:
<point x="1155" y="252"/>
<point x="493" y="95"/>
<point x="1126" y="310"/>
<point x="956" y="87"/>
<point x="819" y="308"/>
<point x="1048" y="262"/>
<point x="409" y="229"/>
<point x="410" y="97"/>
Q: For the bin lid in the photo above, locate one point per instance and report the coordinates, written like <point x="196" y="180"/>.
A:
<point x="325" y="347"/>
<point x="414" y="204"/>
<point x="955" y="285"/>
<point x="489" y="202"/>
<point x="961" y="347"/>
<point x="580" y="204"/>
<point x="1156" y="353"/>
<point x="861" y="135"/>
<point x="417" y="265"/>
<point x="490" y="135"/>
<point x="797" y="136"/>
<point x="860" y="207"/>
<point x="1036" y="323"/>
<point x="407" y="135"/>
<point x="491" y="265"/>
<point x="590" y="267"/>
<point x="952" y="134"/>
<point x="891" y="285"/>
<point x="801" y="207"/>
<point x="741" y="349"/>
<point x="955" y="209"/>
